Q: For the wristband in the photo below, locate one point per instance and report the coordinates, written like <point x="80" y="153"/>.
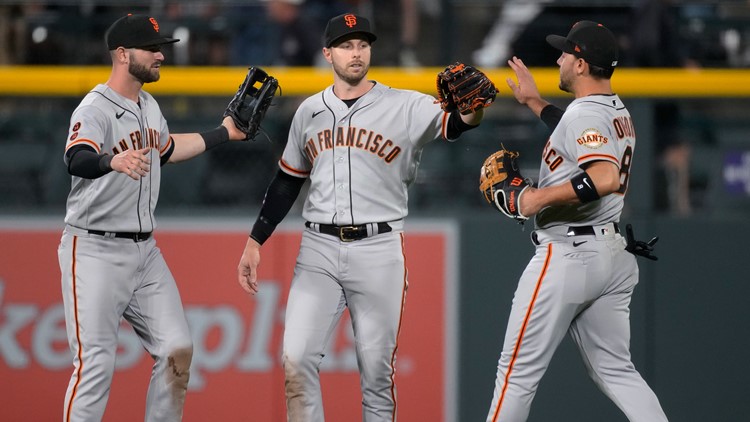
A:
<point x="215" y="137"/>
<point x="105" y="163"/>
<point x="584" y="188"/>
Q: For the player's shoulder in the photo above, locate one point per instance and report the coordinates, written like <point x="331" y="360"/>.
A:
<point x="313" y="100"/>
<point x="598" y="104"/>
<point x="103" y="97"/>
<point x="94" y="97"/>
<point x="95" y="102"/>
<point x="591" y="107"/>
<point x="407" y="98"/>
<point x="399" y="92"/>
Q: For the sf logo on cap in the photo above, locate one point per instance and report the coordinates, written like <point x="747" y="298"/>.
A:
<point x="351" y="21"/>
<point x="154" y="23"/>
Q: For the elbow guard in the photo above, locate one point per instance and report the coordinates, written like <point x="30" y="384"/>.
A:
<point x="584" y="188"/>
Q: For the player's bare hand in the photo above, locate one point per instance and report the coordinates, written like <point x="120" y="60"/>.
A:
<point x="526" y="89"/>
<point x="135" y="163"/>
<point x="234" y="133"/>
<point x="247" y="271"/>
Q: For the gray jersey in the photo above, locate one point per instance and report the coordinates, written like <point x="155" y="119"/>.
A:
<point x="596" y="127"/>
<point x="381" y="136"/>
<point x="110" y="123"/>
<point x="577" y="283"/>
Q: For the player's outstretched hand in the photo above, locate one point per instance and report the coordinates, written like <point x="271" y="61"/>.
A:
<point x="134" y="163"/>
<point x="525" y="91"/>
<point x="234" y="133"/>
<point x="247" y="271"/>
<point x="638" y="247"/>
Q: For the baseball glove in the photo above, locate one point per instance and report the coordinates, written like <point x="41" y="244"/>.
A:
<point x="464" y="88"/>
<point x="250" y="103"/>
<point x="502" y="183"/>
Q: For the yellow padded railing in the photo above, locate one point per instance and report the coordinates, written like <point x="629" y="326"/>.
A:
<point x="223" y="81"/>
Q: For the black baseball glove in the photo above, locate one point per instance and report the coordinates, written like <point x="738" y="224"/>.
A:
<point x="464" y="88"/>
<point x="638" y="247"/>
<point x="250" y="103"/>
<point x="502" y="184"/>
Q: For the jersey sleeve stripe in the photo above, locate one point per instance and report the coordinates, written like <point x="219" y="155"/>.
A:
<point x="291" y="170"/>
<point x="165" y="148"/>
<point x="88" y="142"/>
<point x="594" y="157"/>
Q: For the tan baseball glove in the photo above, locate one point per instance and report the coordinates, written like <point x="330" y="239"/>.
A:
<point x="502" y="184"/>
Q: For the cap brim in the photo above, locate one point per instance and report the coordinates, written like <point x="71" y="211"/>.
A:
<point x="560" y="43"/>
<point x="369" y="35"/>
<point x="158" y="41"/>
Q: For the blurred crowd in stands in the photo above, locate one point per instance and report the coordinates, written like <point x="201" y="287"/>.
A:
<point x="668" y="33"/>
<point x="214" y="33"/>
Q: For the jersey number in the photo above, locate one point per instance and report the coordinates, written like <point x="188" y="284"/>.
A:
<point x="625" y="163"/>
<point x="553" y="161"/>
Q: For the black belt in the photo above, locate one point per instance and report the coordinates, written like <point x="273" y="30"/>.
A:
<point x="135" y="237"/>
<point x="586" y="230"/>
<point x="349" y="233"/>
<point x="576" y="231"/>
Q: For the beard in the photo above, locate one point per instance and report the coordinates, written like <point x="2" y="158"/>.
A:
<point x="565" y="84"/>
<point x="142" y="73"/>
<point x="350" y="77"/>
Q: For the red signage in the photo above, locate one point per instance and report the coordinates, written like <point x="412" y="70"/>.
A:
<point x="236" y="373"/>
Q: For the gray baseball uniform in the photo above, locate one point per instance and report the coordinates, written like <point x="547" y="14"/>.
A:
<point x="111" y="267"/>
<point x="581" y="278"/>
<point x="360" y="161"/>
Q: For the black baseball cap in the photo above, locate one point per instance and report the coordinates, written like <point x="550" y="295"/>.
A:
<point x="135" y="31"/>
<point x="590" y="41"/>
<point x="343" y="25"/>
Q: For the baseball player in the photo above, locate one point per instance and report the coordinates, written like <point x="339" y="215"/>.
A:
<point x="110" y="264"/>
<point x="581" y="278"/>
<point x="359" y="143"/>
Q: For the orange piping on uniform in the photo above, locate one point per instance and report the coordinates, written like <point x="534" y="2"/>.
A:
<point x="88" y="142"/>
<point x="289" y="169"/>
<point x="78" y="332"/>
<point x="523" y="331"/>
<point x="599" y="157"/>
<point x="166" y="147"/>
<point x="400" y="320"/>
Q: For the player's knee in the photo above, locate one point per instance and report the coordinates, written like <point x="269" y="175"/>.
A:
<point x="178" y="367"/>
<point x="299" y="365"/>
<point x="291" y="362"/>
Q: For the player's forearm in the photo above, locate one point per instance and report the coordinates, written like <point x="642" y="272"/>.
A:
<point x="533" y="199"/>
<point x="473" y="118"/>
<point x="187" y="146"/>
<point x="280" y="196"/>
<point x="86" y="163"/>
<point x="536" y="105"/>
<point x="551" y="115"/>
<point x="603" y="180"/>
